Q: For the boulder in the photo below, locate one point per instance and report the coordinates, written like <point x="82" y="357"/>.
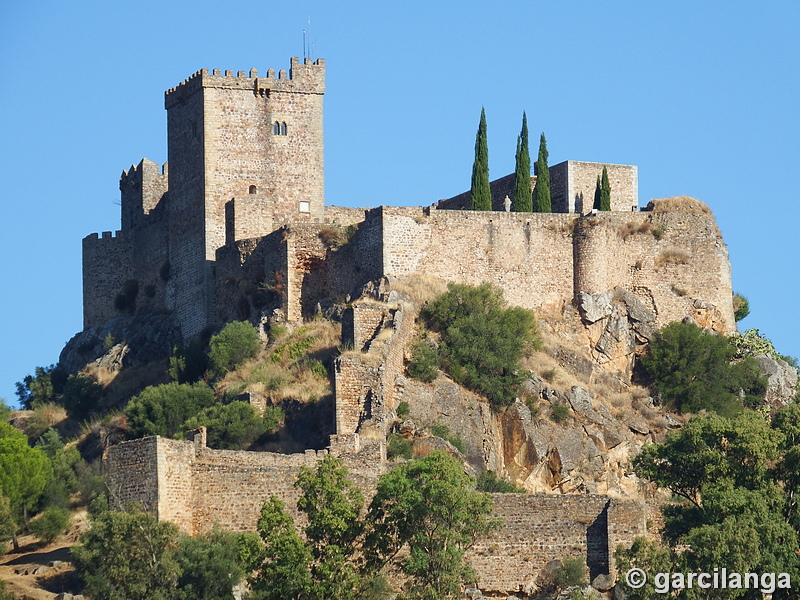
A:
<point x="781" y="380"/>
<point x="594" y="307"/>
<point x="603" y="582"/>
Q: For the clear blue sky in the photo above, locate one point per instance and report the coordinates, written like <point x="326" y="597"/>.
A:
<point x="702" y="96"/>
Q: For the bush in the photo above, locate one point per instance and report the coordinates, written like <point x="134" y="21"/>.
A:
<point x="424" y="362"/>
<point x="692" y="370"/>
<point x="50" y="524"/>
<point x="163" y="409"/>
<point x="572" y="572"/>
<point x="232" y="426"/>
<point x="482" y="340"/>
<point x="488" y="481"/>
<point x="559" y="413"/>
<point x="443" y="431"/>
<point x="398" y="447"/>
<point x="237" y="342"/>
<point x="403" y="410"/>
<point x="188" y="363"/>
<point x="741" y="307"/>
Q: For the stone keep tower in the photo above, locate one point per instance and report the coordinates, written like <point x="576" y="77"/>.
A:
<point x="245" y="154"/>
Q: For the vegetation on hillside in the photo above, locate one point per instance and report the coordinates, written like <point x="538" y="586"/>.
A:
<point x="481" y="341"/>
<point x="427" y="505"/>
<point x="736" y="483"/>
<point x="693" y="370"/>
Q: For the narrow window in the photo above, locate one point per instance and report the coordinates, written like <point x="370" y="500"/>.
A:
<point x="276" y="129"/>
<point x="283" y="128"/>
<point x="253" y="189"/>
<point x="305" y="206"/>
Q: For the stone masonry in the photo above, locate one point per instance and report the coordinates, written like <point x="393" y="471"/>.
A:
<point x="234" y="226"/>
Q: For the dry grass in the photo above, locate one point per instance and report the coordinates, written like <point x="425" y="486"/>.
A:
<point x="672" y="257"/>
<point x="677" y="204"/>
<point x="421" y="288"/>
<point x="291" y="366"/>
<point x="632" y="228"/>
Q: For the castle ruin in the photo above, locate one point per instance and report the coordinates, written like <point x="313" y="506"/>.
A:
<point x="235" y="226"/>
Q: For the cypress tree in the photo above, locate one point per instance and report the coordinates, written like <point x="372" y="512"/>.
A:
<point x="480" y="194"/>
<point x="541" y="191"/>
<point x="597" y="192"/>
<point x="523" y="201"/>
<point x="605" y="191"/>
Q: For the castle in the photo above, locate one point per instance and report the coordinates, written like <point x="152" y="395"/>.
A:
<point x="231" y="225"/>
<point x="235" y="226"/>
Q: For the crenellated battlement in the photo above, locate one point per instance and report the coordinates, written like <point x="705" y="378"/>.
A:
<point x="306" y="77"/>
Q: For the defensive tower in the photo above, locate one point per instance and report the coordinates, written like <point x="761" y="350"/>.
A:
<point x="237" y="144"/>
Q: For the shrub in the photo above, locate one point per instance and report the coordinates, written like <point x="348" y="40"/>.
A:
<point x="423" y="363"/>
<point x="398" y="447"/>
<point x="237" y="342"/>
<point x="692" y="370"/>
<point x="482" y="340"/>
<point x="188" y="363"/>
<point x="488" y="481"/>
<point x="672" y="257"/>
<point x="572" y="572"/>
<point x="231" y="426"/>
<point x="81" y="396"/>
<point x="403" y="410"/>
<point x="50" y="524"/>
<point x="443" y="431"/>
<point x="163" y="409"/>
<point x="741" y="307"/>
<point x="559" y="413"/>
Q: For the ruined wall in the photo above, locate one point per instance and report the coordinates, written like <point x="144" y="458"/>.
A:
<point x="195" y="487"/>
<point x="675" y="262"/>
<point x="368" y="381"/>
<point x="250" y="277"/>
<point x="528" y="255"/>
<point x="538" y="528"/>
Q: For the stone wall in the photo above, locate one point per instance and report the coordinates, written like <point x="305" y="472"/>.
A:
<point x="196" y="487"/>
<point x="107" y="264"/>
<point x="538" y="528"/>
<point x="528" y="255"/>
<point x="573" y="183"/>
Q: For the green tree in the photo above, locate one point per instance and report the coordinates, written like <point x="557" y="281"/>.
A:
<point x="51" y="523"/>
<point x="237" y="342"/>
<point x="284" y="572"/>
<point x="523" y="200"/>
<point x="128" y="556"/>
<point x="230" y="426"/>
<point x="66" y="463"/>
<point x="741" y="307"/>
<point x="598" y="192"/>
<point x="482" y="340"/>
<point x="735" y="510"/>
<point x="45" y="385"/>
<point x="24" y="472"/>
<point x="541" y="191"/>
<point x="605" y="191"/>
<point x="693" y="370"/>
<point x="431" y="505"/>
<point x="210" y="565"/>
<point x="8" y="524"/>
<point x="163" y="409"/>
<point x="480" y="194"/>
